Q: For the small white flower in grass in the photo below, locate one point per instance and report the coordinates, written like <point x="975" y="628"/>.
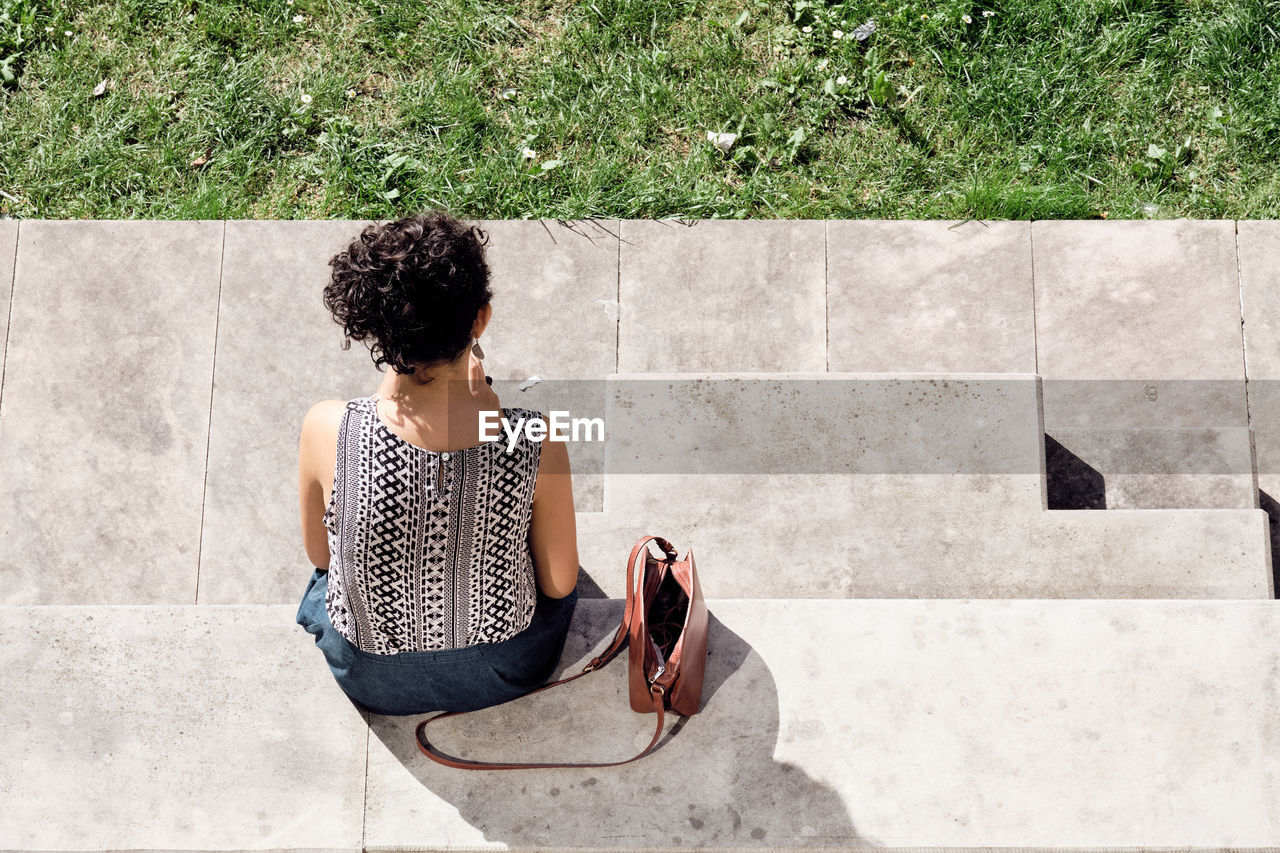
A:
<point x="863" y="32"/>
<point x="841" y="80"/>
<point x="66" y="32"/>
<point x="966" y="19"/>
<point x="351" y="93"/>
<point x="722" y="141"/>
<point x="987" y="13"/>
<point x="306" y="99"/>
<point x="298" y="19"/>
<point x="528" y="154"/>
<point x="48" y="29"/>
<point x="837" y="34"/>
<point x="806" y="29"/>
<point x="288" y="2"/>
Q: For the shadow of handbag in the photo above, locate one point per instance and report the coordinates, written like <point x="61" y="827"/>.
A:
<point x="664" y="625"/>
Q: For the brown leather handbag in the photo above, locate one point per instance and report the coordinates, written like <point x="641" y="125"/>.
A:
<point x="664" y="625"/>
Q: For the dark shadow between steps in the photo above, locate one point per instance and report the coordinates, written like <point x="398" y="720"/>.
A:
<point x="1272" y="509"/>
<point x="587" y="587"/>
<point x="1072" y="483"/>
<point x="711" y="780"/>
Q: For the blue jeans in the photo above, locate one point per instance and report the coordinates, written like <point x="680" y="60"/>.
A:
<point x="446" y="680"/>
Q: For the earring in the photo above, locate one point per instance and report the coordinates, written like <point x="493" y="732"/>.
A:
<point x="476" y="350"/>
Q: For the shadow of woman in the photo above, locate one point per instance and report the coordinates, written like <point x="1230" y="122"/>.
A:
<point x="712" y="778"/>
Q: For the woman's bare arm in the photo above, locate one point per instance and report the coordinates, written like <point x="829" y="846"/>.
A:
<point x="553" y="533"/>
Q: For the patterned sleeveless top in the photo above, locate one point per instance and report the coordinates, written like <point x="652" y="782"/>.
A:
<point x="429" y="550"/>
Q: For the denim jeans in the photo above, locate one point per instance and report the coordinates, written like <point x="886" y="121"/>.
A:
<point x="446" y="680"/>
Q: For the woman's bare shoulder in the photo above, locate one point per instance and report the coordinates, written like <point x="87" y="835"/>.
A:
<point x="325" y="414"/>
<point x="320" y="426"/>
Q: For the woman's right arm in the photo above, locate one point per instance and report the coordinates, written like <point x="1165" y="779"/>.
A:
<point x="553" y="533"/>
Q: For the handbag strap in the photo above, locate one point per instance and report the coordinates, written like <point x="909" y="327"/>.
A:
<point x="656" y="691"/>
<point x="632" y="598"/>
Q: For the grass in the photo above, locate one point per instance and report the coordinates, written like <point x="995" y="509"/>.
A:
<point x="1044" y="109"/>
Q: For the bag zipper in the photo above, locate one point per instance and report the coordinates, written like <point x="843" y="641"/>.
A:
<point x="662" y="663"/>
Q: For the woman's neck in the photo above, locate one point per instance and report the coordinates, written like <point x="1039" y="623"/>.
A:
<point x="448" y="385"/>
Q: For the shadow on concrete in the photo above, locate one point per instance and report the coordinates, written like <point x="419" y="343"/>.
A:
<point x="1072" y="483"/>
<point x="587" y="587"/>
<point x="712" y="778"/>
<point x="1272" y="509"/>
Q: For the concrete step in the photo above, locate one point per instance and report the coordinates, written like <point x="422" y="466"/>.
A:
<point x="862" y="485"/>
<point x="204" y="485"/>
<point x="825" y="723"/>
<point x="1151" y="468"/>
<point x="914" y="485"/>
<point x="799" y="538"/>
<point x="189" y="727"/>
<point x="808" y="423"/>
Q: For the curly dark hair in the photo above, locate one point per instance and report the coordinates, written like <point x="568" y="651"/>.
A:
<point x="414" y="286"/>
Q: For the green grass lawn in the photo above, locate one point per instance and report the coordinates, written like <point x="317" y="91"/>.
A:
<point x="314" y="109"/>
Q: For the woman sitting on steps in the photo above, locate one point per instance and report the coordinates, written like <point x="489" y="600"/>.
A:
<point x="446" y="565"/>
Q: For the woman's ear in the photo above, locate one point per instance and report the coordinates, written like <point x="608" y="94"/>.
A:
<point x="482" y="319"/>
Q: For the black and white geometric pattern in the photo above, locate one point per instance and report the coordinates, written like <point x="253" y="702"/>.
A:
<point x="416" y="569"/>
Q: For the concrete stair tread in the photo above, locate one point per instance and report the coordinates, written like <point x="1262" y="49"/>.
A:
<point x="798" y="549"/>
<point x="191" y="727"/>
<point x="825" y="723"/>
<point x="1165" y="467"/>
<point x="798" y="423"/>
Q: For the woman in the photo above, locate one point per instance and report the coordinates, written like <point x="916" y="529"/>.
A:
<point x="445" y="564"/>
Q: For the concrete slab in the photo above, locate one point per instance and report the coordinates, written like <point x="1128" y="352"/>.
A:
<point x="1259" y="254"/>
<point x="895" y="536"/>
<point x="175" y="728"/>
<point x="1264" y="414"/>
<point x="938" y="724"/>
<point x="555" y="287"/>
<point x="722" y="295"/>
<point x="1144" y="404"/>
<point x="271" y="270"/>
<point x="1139" y="404"/>
<point x="930" y="296"/>
<point x="555" y="299"/>
<point x="870" y="485"/>
<point x="802" y="423"/>
<point x="1167" y="468"/>
<point x="8" y="251"/>
<point x="1259" y="247"/>
<point x="103" y="444"/>
<point x="1264" y="417"/>
<point x="1141" y="301"/>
